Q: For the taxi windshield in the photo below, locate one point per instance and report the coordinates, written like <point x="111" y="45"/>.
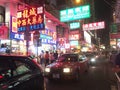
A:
<point x="68" y="58"/>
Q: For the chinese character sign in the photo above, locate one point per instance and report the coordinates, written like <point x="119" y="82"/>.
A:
<point x="31" y="19"/>
<point x="14" y="24"/>
<point x="77" y="13"/>
<point x="94" y="26"/>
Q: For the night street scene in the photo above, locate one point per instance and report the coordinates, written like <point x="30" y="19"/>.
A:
<point x="59" y="45"/>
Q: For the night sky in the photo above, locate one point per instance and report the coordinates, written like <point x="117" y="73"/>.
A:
<point x="103" y="12"/>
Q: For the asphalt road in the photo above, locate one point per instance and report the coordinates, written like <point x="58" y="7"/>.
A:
<point x="99" y="77"/>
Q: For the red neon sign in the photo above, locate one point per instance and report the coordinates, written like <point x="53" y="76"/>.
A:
<point x="31" y="17"/>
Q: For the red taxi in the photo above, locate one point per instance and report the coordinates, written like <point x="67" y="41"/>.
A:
<point x="68" y="66"/>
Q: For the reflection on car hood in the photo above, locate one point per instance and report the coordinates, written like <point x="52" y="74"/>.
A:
<point x="60" y="64"/>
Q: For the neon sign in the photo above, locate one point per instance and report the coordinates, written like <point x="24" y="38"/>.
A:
<point x="77" y="13"/>
<point x="17" y="36"/>
<point x="31" y="19"/>
<point x="47" y="41"/>
<point x="74" y="43"/>
<point x="94" y="26"/>
<point x="74" y="37"/>
<point x="14" y="24"/>
<point x="74" y="25"/>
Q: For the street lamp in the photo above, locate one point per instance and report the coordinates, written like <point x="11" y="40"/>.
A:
<point x="77" y="1"/>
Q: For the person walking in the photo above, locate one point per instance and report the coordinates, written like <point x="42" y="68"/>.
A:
<point x="42" y="61"/>
<point x="56" y="55"/>
<point x="46" y="58"/>
<point x="117" y="60"/>
<point x="51" y="58"/>
<point x="117" y="63"/>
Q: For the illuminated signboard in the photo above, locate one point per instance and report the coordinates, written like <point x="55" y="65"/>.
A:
<point x="77" y="13"/>
<point x="74" y="43"/>
<point x="17" y="36"/>
<point x="74" y="25"/>
<point x="14" y="24"/>
<point x="31" y="19"/>
<point x="48" y="34"/>
<point x="43" y="36"/>
<point x="87" y="37"/>
<point x="48" y="41"/>
<point x="94" y="26"/>
<point x="13" y="29"/>
<point x="74" y="37"/>
<point x="4" y="31"/>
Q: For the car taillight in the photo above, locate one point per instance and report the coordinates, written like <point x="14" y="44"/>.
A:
<point x="1" y="77"/>
<point x="4" y="87"/>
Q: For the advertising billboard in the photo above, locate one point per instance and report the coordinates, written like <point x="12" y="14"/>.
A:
<point x="30" y="19"/>
<point x="87" y="37"/>
<point x="74" y="43"/>
<point x="74" y="25"/>
<point x="13" y="30"/>
<point x="76" y="13"/>
<point x="94" y="26"/>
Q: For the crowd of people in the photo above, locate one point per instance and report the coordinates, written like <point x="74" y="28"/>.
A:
<point x="48" y="57"/>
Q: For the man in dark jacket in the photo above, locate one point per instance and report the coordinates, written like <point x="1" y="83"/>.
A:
<point x="56" y="55"/>
<point x="117" y="60"/>
<point x="117" y="63"/>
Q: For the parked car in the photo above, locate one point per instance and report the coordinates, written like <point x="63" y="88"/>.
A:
<point x="68" y="66"/>
<point x="20" y="73"/>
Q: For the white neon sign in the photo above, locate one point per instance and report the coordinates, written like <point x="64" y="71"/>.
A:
<point x="94" y="26"/>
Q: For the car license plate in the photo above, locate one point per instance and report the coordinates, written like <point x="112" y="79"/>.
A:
<point x="56" y="76"/>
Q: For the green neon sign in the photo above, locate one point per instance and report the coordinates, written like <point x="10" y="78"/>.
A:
<point x="74" y="25"/>
<point x="77" y="13"/>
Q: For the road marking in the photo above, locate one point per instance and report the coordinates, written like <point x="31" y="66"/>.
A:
<point x="117" y="76"/>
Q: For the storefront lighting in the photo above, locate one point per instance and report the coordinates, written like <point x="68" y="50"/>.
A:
<point x="49" y="21"/>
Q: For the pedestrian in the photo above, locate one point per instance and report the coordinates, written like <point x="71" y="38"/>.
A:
<point x="61" y="53"/>
<point x="56" y="55"/>
<point x="51" y="58"/>
<point x="117" y="63"/>
<point x="117" y="60"/>
<point x="46" y="58"/>
<point x="42" y="57"/>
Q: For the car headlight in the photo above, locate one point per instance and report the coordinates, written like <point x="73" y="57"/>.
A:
<point x="66" y="70"/>
<point x="93" y="60"/>
<point x="47" y="69"/>
<point x="96" y="56"/>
